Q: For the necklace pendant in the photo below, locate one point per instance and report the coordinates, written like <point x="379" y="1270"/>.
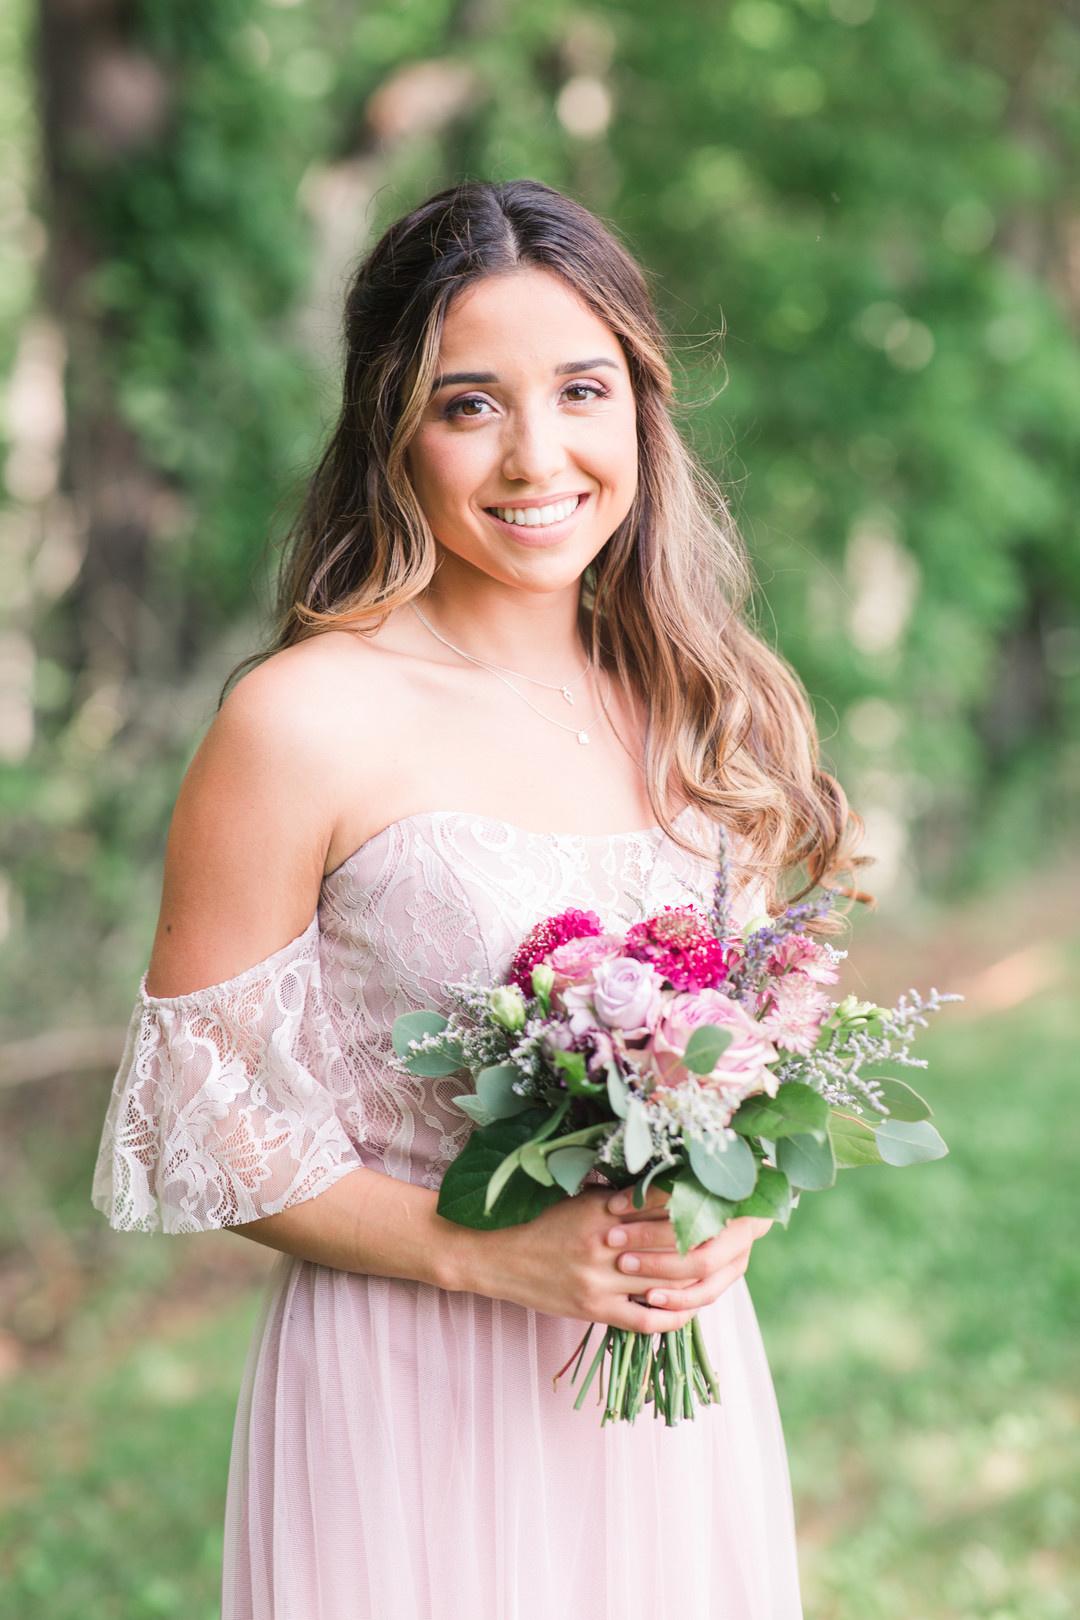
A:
<point x="567" y="694"/>
<point x="583" y="736"/>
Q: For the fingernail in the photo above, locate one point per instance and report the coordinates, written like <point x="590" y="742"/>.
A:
<point x="617" y="1235"/>
<point x="630" y="1262"/>
<point x="619" y="1205"/>
<point x="658" y="1298"/>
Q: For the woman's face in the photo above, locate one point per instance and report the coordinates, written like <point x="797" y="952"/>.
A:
<point x="533" y="411"/>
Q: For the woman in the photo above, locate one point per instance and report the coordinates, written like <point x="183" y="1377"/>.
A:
<point x="511" y="675"/>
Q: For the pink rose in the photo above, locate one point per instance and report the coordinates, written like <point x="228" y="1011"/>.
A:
<point x="573" y="961"/>
<point x="742" y="1068"/>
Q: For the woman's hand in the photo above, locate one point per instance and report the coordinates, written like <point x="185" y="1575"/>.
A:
<point x="679" y="1282"/>
<point x="577" y="1258"/>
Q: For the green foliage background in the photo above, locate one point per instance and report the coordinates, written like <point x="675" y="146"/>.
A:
<point x="860" y="220"/>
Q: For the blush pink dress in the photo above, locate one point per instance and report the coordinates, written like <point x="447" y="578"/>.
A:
<point x="399" y="1452"/>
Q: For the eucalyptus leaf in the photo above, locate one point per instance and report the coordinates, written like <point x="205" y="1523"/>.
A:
<point x="569" y="1166"/>
<point x="807" y="1161"/>
<point x="470" y="1104"/>
<point x="706" y="1047"/>
<point x="902" y="1142"/>
<point x="533" y="1161"/>
<point x="493" y="1087"/>
<point x="641" y="1188"/>
<point x="796" y="1110"/>
<point x="618" y="1095"/>
<point x="854" y="1142"/>
<point x="410" y="1027"/>
<point x="729" y="1169"/>
<point x="695" y="1212"/>
<point x="637" y="1143"/>
<point x="771" y="1197"/>
<point x="902" y="1101"/>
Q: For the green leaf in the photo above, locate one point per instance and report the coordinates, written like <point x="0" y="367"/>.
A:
<point x="902" y="1101"/>
<point x="771" y="1197"/>
<point x="637" y="1143"/>
<point x="534" y="1163"/>
<point x="853" y="1140"/>
<point x="807" y="1161"/>
<point x="729" y="1170"/>
<point x="796" y="1110"/>
<point x="902" y="1142"/>
<point x="493" y="1089"/>
<point x="411" y="1026"/>
<point x="706" y="1047"/>
<point x="618" y="1094"/>
<point x="570" y="1166"/>
<point x="470" y="1104"/>
<point x="464" y="1186"/>
<point x="577" y="1081"/>
<point x="695" y="1212"/>
<point x="641" y="1188"/>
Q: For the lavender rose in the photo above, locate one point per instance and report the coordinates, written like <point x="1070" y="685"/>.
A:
<point x="627" y="995"/>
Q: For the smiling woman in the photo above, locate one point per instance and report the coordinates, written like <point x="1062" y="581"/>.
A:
<point x="505" y="552"/>
<point x="545" y="458"/>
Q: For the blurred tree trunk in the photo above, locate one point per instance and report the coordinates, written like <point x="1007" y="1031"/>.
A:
<point x="100" y="102"/>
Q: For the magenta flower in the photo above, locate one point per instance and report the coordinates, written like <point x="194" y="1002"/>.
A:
<point x="545" y="937"/>
<point x="681" y="945"/>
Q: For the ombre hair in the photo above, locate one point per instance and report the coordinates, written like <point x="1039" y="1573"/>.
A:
<point x="664" y="605"/>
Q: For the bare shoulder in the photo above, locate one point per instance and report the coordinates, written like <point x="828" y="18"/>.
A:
<point x="257" y="810"/>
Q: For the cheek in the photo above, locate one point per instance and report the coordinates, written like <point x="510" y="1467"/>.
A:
<point x="439" y="468"/>
<point x="616" y="451"/>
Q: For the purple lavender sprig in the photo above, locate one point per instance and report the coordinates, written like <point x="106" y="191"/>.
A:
<point x="720" y="910"/>
<point x="746" y="980"/>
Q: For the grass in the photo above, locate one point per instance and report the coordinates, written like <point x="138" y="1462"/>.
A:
<point x="922" y="1330"/>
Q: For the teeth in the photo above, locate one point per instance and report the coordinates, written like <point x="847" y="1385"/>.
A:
<point x="536" y="516"/>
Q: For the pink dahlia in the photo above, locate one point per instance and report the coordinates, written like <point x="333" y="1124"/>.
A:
<point x="797" y="954"/>
<point x="545" y="937"/>
<point x="797" y="1012"/>
<point x="682" y="948"/>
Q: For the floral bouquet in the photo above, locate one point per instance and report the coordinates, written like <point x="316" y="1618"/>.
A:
<point x="680" y="1051"/>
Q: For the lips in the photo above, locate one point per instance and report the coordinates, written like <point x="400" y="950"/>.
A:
<point x="551" y="500"/>
<point x="539" y="534"/>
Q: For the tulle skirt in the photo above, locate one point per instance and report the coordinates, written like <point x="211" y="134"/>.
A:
<point x="399" y="1453"/>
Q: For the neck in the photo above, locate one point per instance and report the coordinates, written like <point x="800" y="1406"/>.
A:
<point x="536" y="633"/>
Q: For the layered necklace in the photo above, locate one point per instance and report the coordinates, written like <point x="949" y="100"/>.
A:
<point x="500" y="671"/>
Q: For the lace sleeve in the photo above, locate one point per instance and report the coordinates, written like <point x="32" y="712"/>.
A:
<point x="230" y="1102"/>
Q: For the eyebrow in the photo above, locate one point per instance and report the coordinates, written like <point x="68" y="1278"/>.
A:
<point x="448" y="377"/>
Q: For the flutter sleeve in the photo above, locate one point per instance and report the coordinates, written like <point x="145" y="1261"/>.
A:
<point x="230" y="1103"/>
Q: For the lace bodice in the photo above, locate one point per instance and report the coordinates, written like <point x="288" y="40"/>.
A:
<point x="240" y="1099"/>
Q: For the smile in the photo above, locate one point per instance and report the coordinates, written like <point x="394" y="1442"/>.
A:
<point x="550" y="520"/>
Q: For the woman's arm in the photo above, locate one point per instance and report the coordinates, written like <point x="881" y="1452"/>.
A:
<point x="375" y="1224"/>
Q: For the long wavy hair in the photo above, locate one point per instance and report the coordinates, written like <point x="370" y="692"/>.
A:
<point x="665" y="606"/>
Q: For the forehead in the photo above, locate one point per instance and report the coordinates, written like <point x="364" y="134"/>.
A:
<point x="525" y="318"/>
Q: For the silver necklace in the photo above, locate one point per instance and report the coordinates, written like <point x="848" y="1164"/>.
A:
<point x="580" y="732"/>
<point x="557" y="687"/>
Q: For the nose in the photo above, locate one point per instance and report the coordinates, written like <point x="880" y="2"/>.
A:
<point x="535" y="449"/>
